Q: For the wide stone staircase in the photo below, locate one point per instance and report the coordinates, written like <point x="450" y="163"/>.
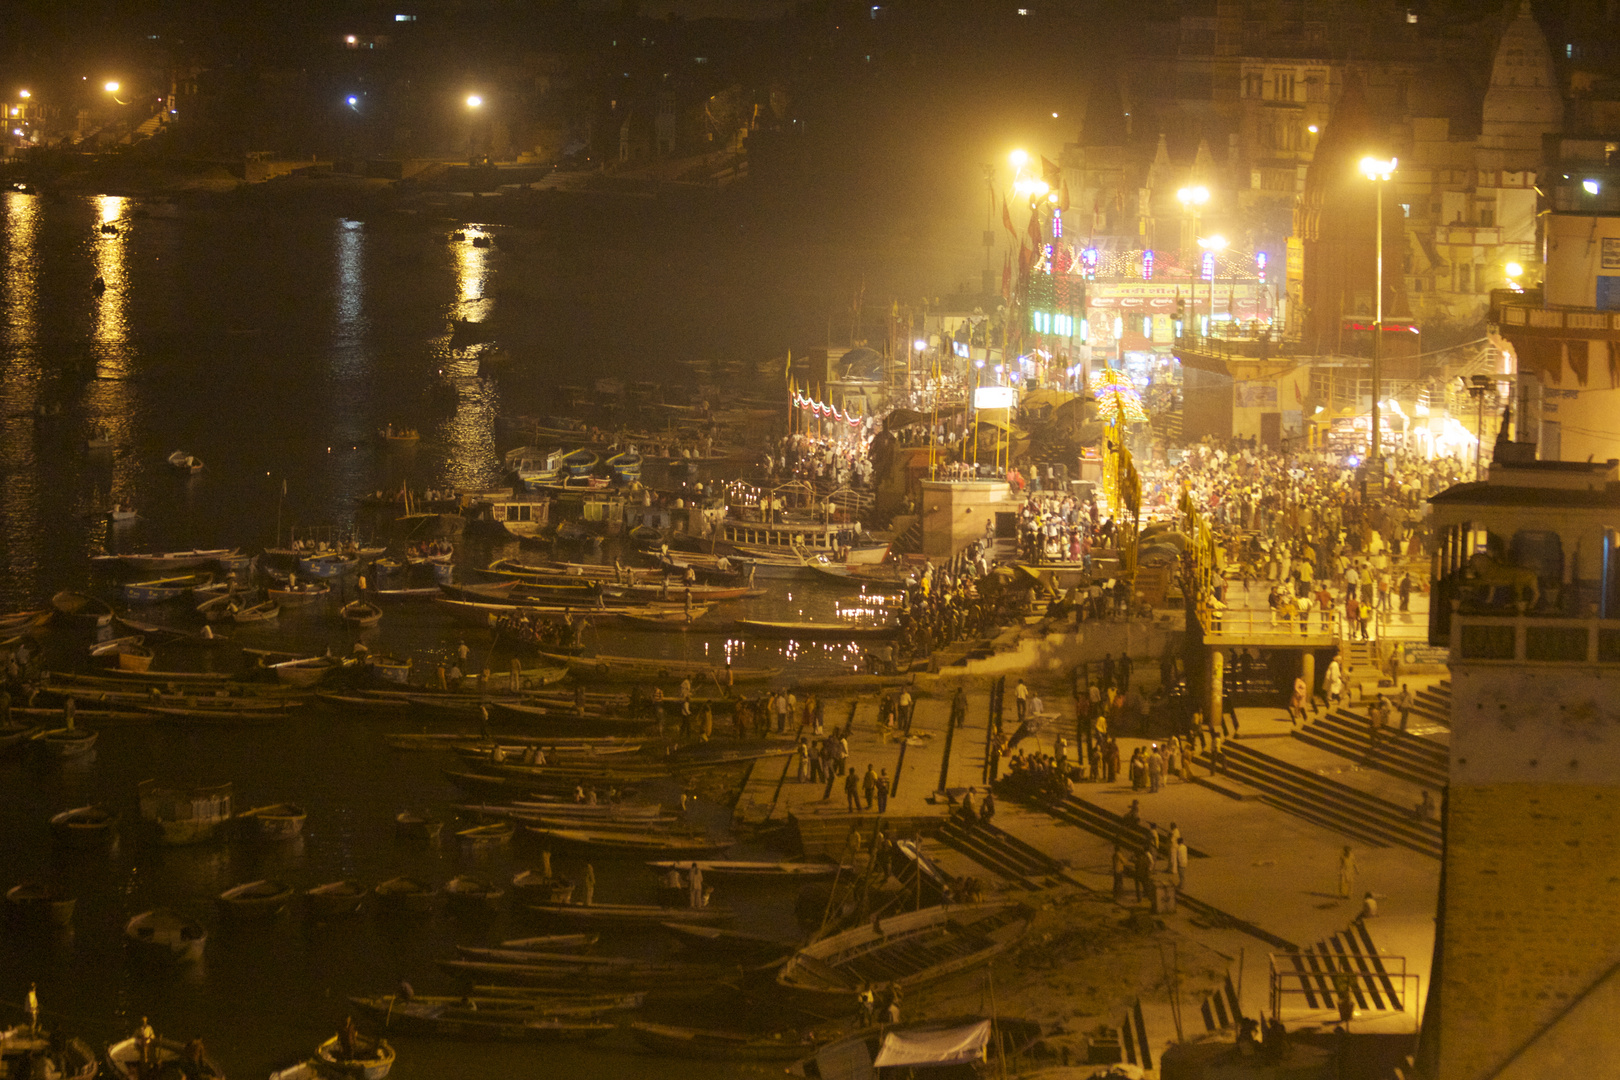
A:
<point x="1346" y="958"/>
<point x="1328" y="803"/>
<point x="1434" y="703"/>
<point x="1003" y="854"/>
<point x="1408" y="757"/>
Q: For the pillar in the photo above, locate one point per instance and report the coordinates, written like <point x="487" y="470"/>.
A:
<point x="1217" y="676"/>
<point x="1307" y="671"/>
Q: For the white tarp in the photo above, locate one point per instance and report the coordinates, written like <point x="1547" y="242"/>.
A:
<point x="935" y="1045"/>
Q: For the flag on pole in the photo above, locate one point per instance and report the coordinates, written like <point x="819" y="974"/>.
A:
<point x="1007" y="278"/>
<point x="1035" y="228"/>
<point x="1063" y="197"/>
<point x="1006" y="217"/>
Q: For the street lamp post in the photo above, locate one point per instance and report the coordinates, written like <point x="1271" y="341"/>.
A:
<point x="1192" y="199"/>
<point x="1213" y="245"/>
<point x="1379" y="173"/>
<point x="474" y="103"/>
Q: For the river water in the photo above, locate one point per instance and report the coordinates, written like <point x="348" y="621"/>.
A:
<point x="273" y="344"/>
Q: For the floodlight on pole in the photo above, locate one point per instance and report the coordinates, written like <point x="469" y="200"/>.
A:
<point x="474" y="101"/>
<point x="1019" y="158"/>
<point x="24" y="94"/>
<point x="1378" y="171"/>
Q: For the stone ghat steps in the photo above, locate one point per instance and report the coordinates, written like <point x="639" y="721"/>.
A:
<point x="1004" y="854"/>
<point x="1344" y="733"/>
<point x="1351" y="952"/>
<point x="1327" y="802"/>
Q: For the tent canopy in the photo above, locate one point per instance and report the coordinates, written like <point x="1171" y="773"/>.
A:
<point x="952" y="1045"/>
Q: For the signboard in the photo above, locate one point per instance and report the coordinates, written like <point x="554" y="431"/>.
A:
<point x="1255" y="395"/>
<point x="1413" y="652"/>
<point x="995" y="397"/>
<point x="1611" y="253"/>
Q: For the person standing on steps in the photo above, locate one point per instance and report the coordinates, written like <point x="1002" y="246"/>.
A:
<point x="852" y="791"/>
<point x="1404" y="702"/>
<point x="1021" y="700"/>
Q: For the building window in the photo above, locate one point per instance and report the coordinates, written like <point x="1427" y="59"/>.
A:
<point x="1487" y="215"/>
<point x="1283" y="86"/>
<point x="1465" y="277"/>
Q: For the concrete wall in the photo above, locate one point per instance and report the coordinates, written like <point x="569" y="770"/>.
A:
<point x="1582" y="251"/>
<point x="1532" y="857"/>
<point x="954" y="513"/>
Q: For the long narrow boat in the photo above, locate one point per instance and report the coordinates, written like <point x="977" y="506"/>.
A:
<point x="405" y="896"/>
<point x="300" y="592"/>
<point x="305" y="671"/>
<point x="361" y="614"/>
<point x="907" y="950"/>
<point x="162" y="934"/>
<point x="329" y="564"/>
<point x="750" y="870"/>
<point x="602" y="668"/>
<point x="32" y="903"/>
<point x="579" y="462"/>
<point x="482" y="1019"/>
<point x="629" y="842"/>
<point x="335" y="899"/>
<point x="629" y="914"/>
<point x="64" y="742"/>
<point x="85" y="827"/>
<point x="166" y="561"/>
<point x="725" y="1045"/>
<point x="468" y="894"/>
<point x="125" y="654"/>
<point x="626" y="466"/>
<point x="815" y="631"/>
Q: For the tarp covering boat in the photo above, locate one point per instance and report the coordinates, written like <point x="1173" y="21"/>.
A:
<point x="953" y="1045"/>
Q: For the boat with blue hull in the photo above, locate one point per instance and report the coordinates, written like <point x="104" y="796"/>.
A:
<point x="626" y="466"/>
<point x="159" y="590"/>
<point x="581" y="462"/>
<point x="330" y="565"/>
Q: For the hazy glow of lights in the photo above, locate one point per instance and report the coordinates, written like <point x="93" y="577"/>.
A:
<point x="1193" y="196"/>
<point x="24" y="94"/>
<point x="351" y="39"/>
<point x="1311" y="128"/>
<point x="1212" y="243"/>
<point x="111" y="318"/>
<point x="1591" y="187"/>
<point x="1377" y="169"/>
<point x="1513" y="269"/>
<point x="111" y="88"/>
<point x="1019" y="159"/>
<point x="920" y="344"/>
<point x="474" y="101"/>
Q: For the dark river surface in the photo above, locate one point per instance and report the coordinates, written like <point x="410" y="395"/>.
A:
<point x="273" y="345"/>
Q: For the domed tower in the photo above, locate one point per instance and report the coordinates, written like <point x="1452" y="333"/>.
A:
<point x="1523" y="102"/>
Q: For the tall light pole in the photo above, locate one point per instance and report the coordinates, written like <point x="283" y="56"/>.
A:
<point x="1213" y="246"/>
<point x="474" y="103"/>
<point x="1192" y="199"/>
<point x="1378" y="172"/>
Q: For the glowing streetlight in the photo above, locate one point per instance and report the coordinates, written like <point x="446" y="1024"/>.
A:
<point x="1193" y="196"/>
<point x="24" y="94"/>
<point x="1513" y="269"/>
<point x="1212" y="243"/>
<point x="1018" y="158"/>
<point x="1591" y="187"/>
<point x="111" y="88"/>
<point x="474" y="101"/>
<point x="1379" y="172"/>
<point x="921" y="345"/>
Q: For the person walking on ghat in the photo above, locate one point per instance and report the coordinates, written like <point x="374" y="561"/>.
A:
<point x="1347" y="872"/>
<point x="852" y="791"/>
<point x="869" y="785"/>
<point x="1021" y="698"/>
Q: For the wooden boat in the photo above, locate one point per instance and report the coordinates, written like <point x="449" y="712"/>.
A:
<point x="265" y="612"/>
<point x="17" y="621"/>
<point x="32" y="903"/>
<point x="553" y="942"/>
<point x="484" y="837"/>
<point x="126" y="654"/>
<point x="305" y="671"/>
<point x="751" y="870"/>
<point x="84" y="827"/>
<point x="389" y="669"/>
<point x="658" y="976"/>
<point x="164" y="589"/>
<point x="360" y="614"/>
<point x="264" y="899"/>
<point x="836" y="630"/>
<point x="330" y="564"/>
<point x="629" y="914"/>
<point x="581" y="462"/>
<point x="278" y="821"/>
<point x="405" y="896"/>
<point x="487" y="1018"/>
<point x="469" y="895"/>
<point x="236" y="563"/>
<point x="417" y="828"/>
<point x="334" y="899"/>
<point x="602" y="668"/>
<point x="167" y="562"/>
<point x="908" y="950"/>
<point x="368" y="1059"/>
<point x="160" y="1058"/>
<point x="626" y="466"/>
<point x="299" y="592"/>
<point x="718" y="939"/>
<point x="29" y="1052"/>
<point x="533" y="887"/>
<point x="82" y="608"/>
<point x="14" y="735"/>
<point x="728" y="1045"/>
<point x="122" y="514"/>
<point x="185" y="815"/>
<point x="220" y="606"/>
<point x="64" y="742"/>
<point x="391" y="434"/>
<point x="182" y="462"/>
<point x="166" y="935"/>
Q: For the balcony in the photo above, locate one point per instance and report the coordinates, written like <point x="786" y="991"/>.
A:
<point x="1528" y="639"/>
<point x="1520" y="313"/>
<point x="1469" y="235"/>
